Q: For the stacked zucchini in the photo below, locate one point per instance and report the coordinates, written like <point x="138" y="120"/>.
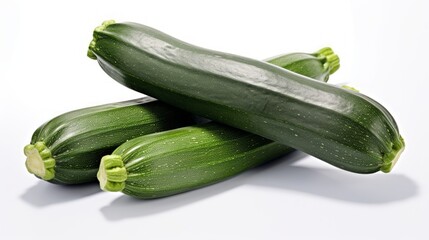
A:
<point x="259" y="111"/>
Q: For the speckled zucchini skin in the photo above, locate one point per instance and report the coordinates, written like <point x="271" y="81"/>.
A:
<point x="68" y="148"/>
<point x="180" y="160"/>
<point x="339" y="126"/>
<point x="76" y="141"/>
<point x="171" y="162"/>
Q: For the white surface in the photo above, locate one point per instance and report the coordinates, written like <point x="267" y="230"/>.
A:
<point x="383" y="46"/>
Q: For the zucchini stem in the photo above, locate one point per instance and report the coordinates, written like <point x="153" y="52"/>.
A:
<point x="112" y="173"/>
<point x="332" y="61"/>
<point x="100" y="28"/>
<point x="391" y="158"/>
<point x="39" y="160"/>
<point x="349" y="88"/>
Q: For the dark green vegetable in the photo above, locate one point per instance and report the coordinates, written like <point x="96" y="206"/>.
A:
<point x="68" y="148"/>
<point x="183" y="159"/>
<point x="180" y="160"/>
<point x="339" y="126"/>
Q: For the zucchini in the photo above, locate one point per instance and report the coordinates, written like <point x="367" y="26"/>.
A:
<point x="179" y="160"/>
<point x="341" y="127"/>
<point x="175" y="161"/>
<point x="68" y="148"/>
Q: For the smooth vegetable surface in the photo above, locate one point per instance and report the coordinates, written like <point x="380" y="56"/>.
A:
<point x="180" y="160"/>
<point x="342" y="127"/>
<point x="68" y="148"/>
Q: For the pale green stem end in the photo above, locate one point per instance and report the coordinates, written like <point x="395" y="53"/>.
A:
<point x="350" y="88"/>
<point x="39" y="161"/>
<point x="100" y="28"/>
<point x="112" y="173"/>
<point x="392" y="158"/>
<point x="332" y="60"/>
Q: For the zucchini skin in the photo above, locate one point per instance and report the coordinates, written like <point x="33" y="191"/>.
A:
<point x="319" y="65"/>
<point x="175" y="161"/>
<point x="341" y="127"/>
<point x="179" y="160"/>
<point x="72" y="144"/>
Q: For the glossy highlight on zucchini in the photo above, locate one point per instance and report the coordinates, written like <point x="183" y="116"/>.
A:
<point x="341" y="127"/>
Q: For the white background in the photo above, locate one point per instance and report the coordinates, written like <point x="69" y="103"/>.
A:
<point x="383" y="46"/>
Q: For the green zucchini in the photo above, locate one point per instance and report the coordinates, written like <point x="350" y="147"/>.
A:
<point x="341" y="127"/>
<point x="68" y="148"/>
<point x="180" y="160"/>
